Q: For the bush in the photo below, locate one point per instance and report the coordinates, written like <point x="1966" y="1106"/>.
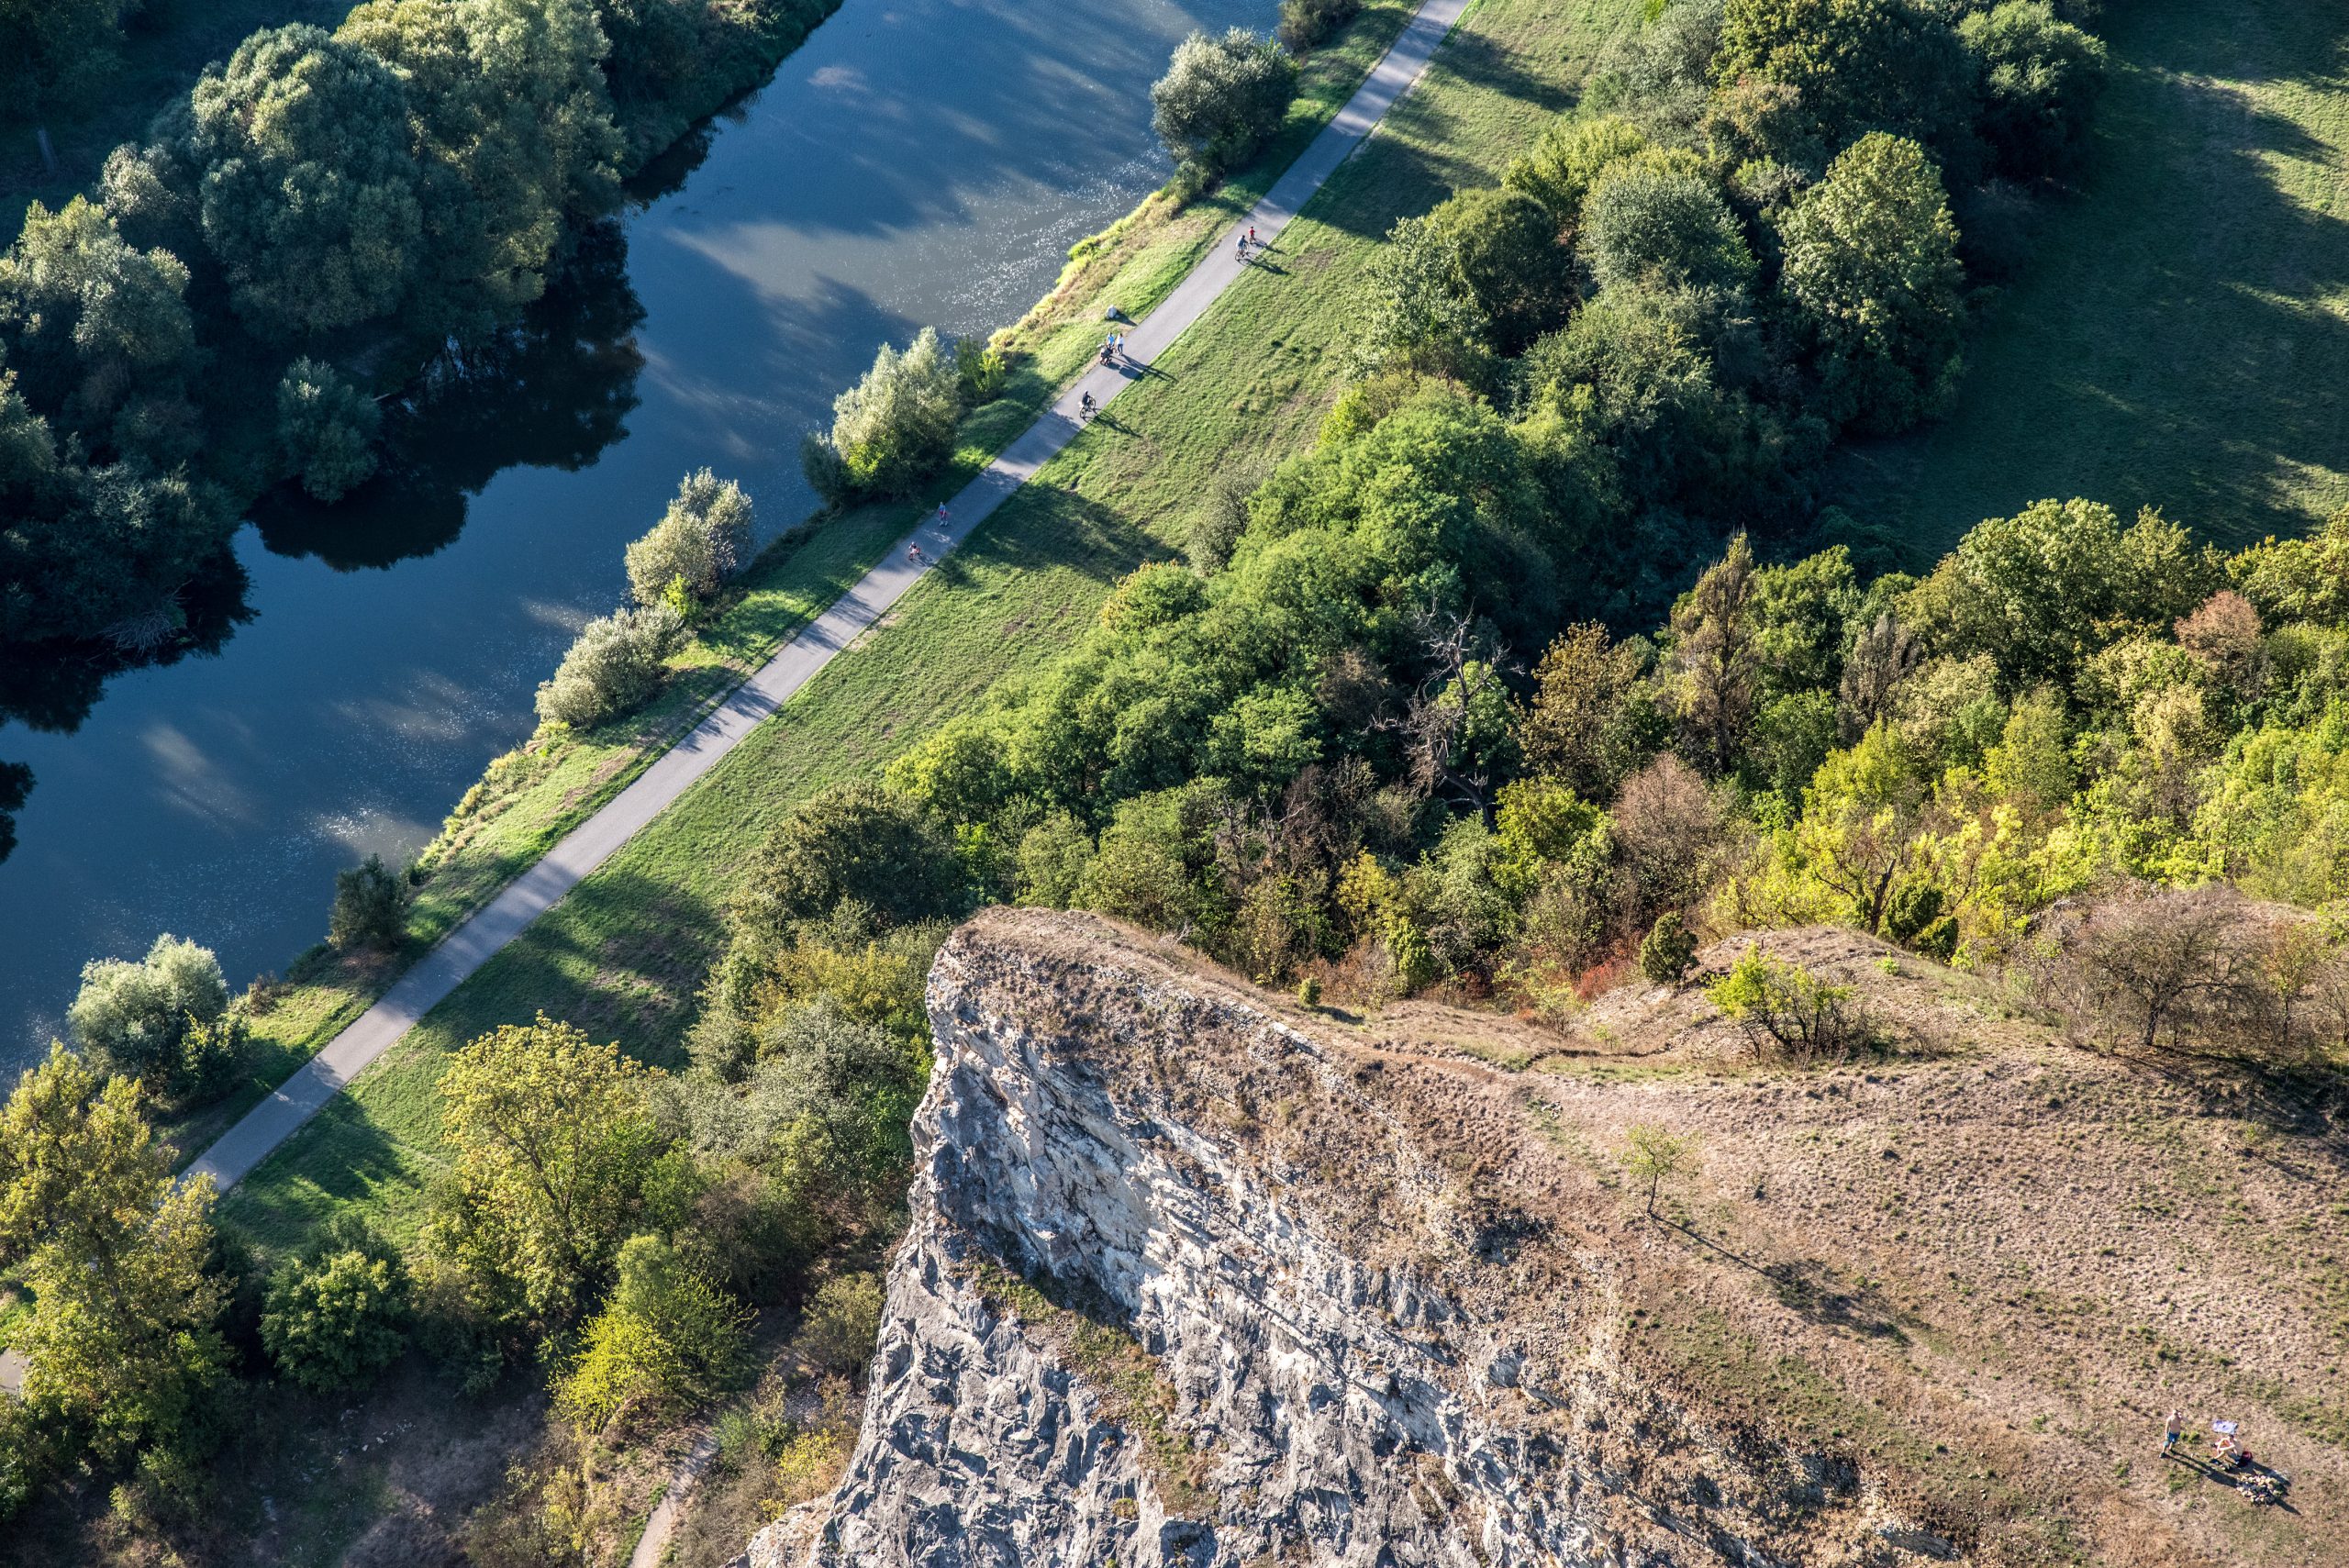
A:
<point x="138" y="1020"/>
<point x="370" y="908"/>
<point x="1788" y="1012"/>
<point x="843" y="1323"/>
<point x="1305" y="23"/>
<point x="893" y="430"/>
<point x="616" y="665"/>
<point x="1567" y="161"/>
<point x="331" y="1324"/>
<point x="1668" y="950"/>
<point x="327" y="428"/>
<point x="703" y="538"/>
<point x="1221" y="98"/>
<point x="982" y="369"/>
<point x="1647" y="223"/>
<point x="667" y="1338"/>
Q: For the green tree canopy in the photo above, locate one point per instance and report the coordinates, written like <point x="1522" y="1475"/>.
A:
<point x="1871" y="265"/>
<point x="301" y="150"/>
<point x="1221" y="97"/>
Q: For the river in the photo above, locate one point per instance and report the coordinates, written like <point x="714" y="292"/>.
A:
<point x="915" y="162"/>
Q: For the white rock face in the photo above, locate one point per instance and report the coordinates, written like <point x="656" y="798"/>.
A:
<point x="1239" y="1371"/>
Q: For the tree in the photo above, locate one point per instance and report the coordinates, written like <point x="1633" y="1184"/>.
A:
<point x="1591" y="722"/>
<point x="1672" y="833"/>
<point x="512" y="134"/>
<point x="1655" y="1156"/>
<point x="613" y="666"/>
<point x="55" y="53"/>
<point x="843" y="1322"/>
<point x="703" y="538"/>
<point x="1861" y="821"/>
<point x="92" y="323"/>
<point x="308" y="188"/>
<point x="1221" y="98"/>
<point x="120" y="1350"/>
<point x="1305" y="23"/>
<point x="893" y="428"/>
<point x="370" y="908"/>
<point x="2040" y="79"/>
<point x="1715" y="657"/>
<point x="1630" y="367"/>
<point x="333" y="1322"/>
<point x="1859" y="65"/>
<point x="1870" y="266"/>
<point x="1647" y="223"/>
<point x="552" y="1143"/>
<point x="851" y="842"/>
<point x="1567" y="159"/>
<point x="2043" y="591"/>
<point x="327" y="429"/>
<point x="1668" y="950"/>
<point x="2164" y="969"/>
<point x="135" y="1017"/>
<point x="666" y="1339"/>
<point x="1882" y="656"/>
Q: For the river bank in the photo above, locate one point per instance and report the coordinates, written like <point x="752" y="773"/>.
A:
<point x="530" y="795"/>
<point x="396" y="639"/>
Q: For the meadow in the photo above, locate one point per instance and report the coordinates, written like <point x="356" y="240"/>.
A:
<point x="2179" y="335"/>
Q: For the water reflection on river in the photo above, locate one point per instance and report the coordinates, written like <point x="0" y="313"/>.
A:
<point x="916" y="163"/>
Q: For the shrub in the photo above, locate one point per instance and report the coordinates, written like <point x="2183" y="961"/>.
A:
<point x="370" y="908"/>
<point x="1305" y="23"/>
<point x="1789" y="1012"/>
<point x="843" y="1322"/>
<point x="667" y="1338"/>
<point x="1653" y="1156"/>
<point x="334" y="1323"/>
<point x="893" y="428"/>
<point x="703" y="538"/>
<point x="982" y="369"/>
<point x="1668" y="950"/>
<point x="327" y="429"/>
<point x="1642" y="222"/>
<point x="617" y="663"/>
<point x="2041" y="77"/>
<point x="1567" y="159"/>
<point x="136" y="1019"/>
<point x="1221" y="97"/>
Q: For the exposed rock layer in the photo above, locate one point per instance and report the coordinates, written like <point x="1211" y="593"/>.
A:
<point x="1195" y="1278"/>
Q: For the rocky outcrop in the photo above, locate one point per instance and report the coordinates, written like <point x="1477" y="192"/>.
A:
<point x="1197" y="1277"/>
<point x="1180" y="1289"/>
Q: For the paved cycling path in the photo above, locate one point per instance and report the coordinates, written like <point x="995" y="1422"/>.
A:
<point x="472" y="943"/>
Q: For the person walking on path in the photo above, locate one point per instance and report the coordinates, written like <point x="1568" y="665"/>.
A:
<point x="1239" y="248"/>
<point x="941" y="518"/>
<point x="2172" y="1430"/>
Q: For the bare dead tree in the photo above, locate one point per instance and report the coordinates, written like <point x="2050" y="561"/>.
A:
<point x="1463" y="672"/>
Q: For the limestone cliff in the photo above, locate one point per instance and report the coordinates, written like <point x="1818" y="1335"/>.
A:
<point x="1196" y="1277"/>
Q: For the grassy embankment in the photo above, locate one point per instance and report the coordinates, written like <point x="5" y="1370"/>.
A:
<point x="623" y="955"/>
<point x="530" y="797"/>
<point x="2180" y="337"/>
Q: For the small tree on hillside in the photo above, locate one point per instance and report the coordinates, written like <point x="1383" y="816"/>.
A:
<point x="2167" y="968"/>
<point x="1669" y="950"/>
<point x="1221" y="98"/>
<point x="1652" y="1157"/>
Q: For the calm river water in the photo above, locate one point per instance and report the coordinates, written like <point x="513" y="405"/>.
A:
<point x="916" y="163"/>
